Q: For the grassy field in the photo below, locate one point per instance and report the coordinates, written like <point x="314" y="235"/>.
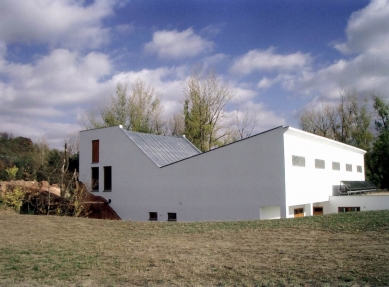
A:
<point x="341" y="250"/>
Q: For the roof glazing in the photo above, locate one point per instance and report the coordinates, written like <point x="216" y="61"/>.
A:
<point x="163" y="150"/>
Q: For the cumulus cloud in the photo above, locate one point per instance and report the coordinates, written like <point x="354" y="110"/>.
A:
<point x="268" y="60"/>
<point x="177" y="45"/>
<point x="166" y="81"/>
<point x="368" y="36"/>
<point x="65" y="23"/>
<point x="367" y="30"/>
<point x="257" y="113"/>
<point x="50" y="91"/>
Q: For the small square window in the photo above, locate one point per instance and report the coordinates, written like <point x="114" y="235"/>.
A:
<point x="320" y="164"/>
<point x="359" y="168"/>
<point x="349" y="167"/>
<point x="335" y="165"/>
<point x="153" y="216"/>
<point x="298" y="160"/>
<point x="171" y="216"/>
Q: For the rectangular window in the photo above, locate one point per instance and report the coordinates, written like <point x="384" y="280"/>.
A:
<point x="95" y="151"/>
<point x="349" y="167"/>
<point x="359" y="168"/>
<point x="95" y="179"/>
<point x="153" y="216"/>
<point x="335" y="165"/>
<point x="171" y="216"/>
<point x="348" y="209"/>
<point x="298" y="160"/>
<point x="319" y="163"/>
<point x="107" y="178"/>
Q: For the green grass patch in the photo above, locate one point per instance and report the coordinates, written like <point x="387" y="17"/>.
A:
<point x="331" y="250"/>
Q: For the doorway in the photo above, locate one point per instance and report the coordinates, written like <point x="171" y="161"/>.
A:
<point x="298" y="212"/>
<point x="318" y="210"/>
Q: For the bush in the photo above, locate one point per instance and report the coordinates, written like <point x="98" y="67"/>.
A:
<point x="14" y="197"/>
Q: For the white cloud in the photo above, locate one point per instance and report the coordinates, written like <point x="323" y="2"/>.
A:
<point x="267" y="60"/>
<point x="266" y="82"/>
<point x="166" y="81"/>
<point x="368" y="36"/>
<point x="176" y="45"/>
<point x="368" y="30"/>
<point x="36" y="97"/>
<point x="64" y="23"/>
<point x="37" y="128"/>
<point x="265" y="119"/>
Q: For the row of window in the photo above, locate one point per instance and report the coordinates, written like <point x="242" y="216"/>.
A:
<point x="171" y="216"/>
<point x="318" y="210"/>
<point x="107" y="178"/>
<point x="321" y="164"/>
<point x="348" y="209"/>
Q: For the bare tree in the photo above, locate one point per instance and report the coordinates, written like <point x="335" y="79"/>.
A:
<point x="347" y="122"/>
<point x="206" y="97"/>
<point x="245" y="121"/>
<point x="176" y="125"/>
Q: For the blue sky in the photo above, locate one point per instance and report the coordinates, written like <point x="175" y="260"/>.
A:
<point x="59" y="59"/>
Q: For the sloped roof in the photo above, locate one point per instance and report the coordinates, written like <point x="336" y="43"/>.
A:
<point x="163" y="150"/>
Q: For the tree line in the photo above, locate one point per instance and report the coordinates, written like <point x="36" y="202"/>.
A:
<point x="351" y="121"/>
<point x="203" y="119"/>
<point x="22" y="159"/>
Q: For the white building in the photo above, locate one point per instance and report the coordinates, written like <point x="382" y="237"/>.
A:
<point x="280" y="173"/>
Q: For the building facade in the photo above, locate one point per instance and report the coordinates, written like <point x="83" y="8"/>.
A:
<point x="280" y="173"/>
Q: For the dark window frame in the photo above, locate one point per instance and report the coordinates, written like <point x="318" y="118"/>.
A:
<point x="171" y="216"/>
<point x="107" y="178"/>
<point x="349" y="209"/>
<point x="95" y="151"/>
<point x="359" y="168"/>
<point x="349" y="167"/>
<point x="95" y="179"/>
<point x="153" y="216"/>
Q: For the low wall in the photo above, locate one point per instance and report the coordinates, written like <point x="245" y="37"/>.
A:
<point x="365" y="202"/>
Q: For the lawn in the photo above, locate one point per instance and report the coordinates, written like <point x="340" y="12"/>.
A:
<point x="350" y="249"/>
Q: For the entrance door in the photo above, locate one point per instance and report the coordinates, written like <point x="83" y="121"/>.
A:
<point x="318" y="210"/>
<point x="299" y="212"/>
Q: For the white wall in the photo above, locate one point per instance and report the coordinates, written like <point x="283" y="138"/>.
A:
<point x="229" y="183"/>
<point x="309" y="184"/>
<point x="240" y="181"/>
<point x="128" y="162"/>
<point x="365" y="202"/>
<point x="270" y="212"/>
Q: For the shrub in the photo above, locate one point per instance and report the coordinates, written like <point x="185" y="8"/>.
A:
<point x="14" y="197"/>
<point x="12" y="171"/>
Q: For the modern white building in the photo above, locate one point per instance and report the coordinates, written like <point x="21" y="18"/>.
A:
<point x="280" y="173"/>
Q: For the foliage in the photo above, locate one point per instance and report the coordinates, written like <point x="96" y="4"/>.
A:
<point x="12" y="171"/>
<point x="21" y="159"/>
<point x="378" y="159"/>
<point x="14" y="197"/>
<point x="347" y="122"/>
<point x="139" y="112"/>
<point x="206" y="98"/>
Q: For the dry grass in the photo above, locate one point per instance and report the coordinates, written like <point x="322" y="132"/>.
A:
<point x="341" y="250"/>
